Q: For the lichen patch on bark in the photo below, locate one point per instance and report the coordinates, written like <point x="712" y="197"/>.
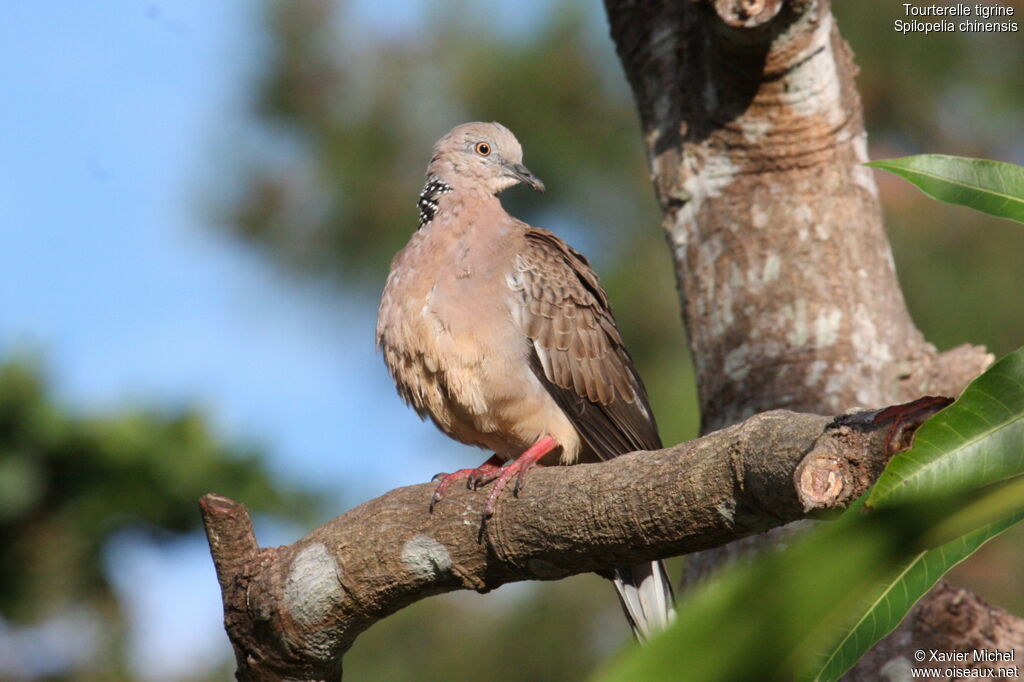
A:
<point x="426" y="558"/>
<point x="312" y="588"/>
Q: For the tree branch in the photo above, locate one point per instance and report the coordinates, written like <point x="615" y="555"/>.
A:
<point x="293" y="611"/>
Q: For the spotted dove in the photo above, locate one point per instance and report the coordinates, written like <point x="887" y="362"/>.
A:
<point x="502" y="335"/>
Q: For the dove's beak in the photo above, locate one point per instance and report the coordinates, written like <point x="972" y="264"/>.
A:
<point x="523" y="174"/>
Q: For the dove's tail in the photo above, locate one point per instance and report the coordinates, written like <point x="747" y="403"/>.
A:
<point x="646" y="595"/>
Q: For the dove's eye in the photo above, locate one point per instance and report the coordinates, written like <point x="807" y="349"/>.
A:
<point x="483" y="149"/>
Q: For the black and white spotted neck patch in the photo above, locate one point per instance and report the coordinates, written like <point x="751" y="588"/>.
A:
<point x="432" y="191"/>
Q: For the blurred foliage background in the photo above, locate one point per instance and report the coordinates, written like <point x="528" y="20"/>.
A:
<point x="340" y="128"/>
<point x="73" y="486"/>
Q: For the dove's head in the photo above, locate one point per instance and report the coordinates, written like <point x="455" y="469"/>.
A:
<point x="480" y="157"/>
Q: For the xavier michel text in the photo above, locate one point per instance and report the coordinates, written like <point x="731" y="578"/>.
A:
<point x="986" y="655"/>
<point x="940" y="24"/>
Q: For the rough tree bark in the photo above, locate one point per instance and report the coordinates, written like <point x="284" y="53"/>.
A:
<point x="756" y="143"/>
<point x="292" y="612"/>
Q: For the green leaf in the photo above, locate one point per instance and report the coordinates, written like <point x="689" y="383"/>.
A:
<point x="777" y="618"/>
<point x="745" y="623"/>
<point x="884" y="607"/>
<point x="992" y="187"/>
<point x="976" y="441"/>
<point x="810" y="612"/>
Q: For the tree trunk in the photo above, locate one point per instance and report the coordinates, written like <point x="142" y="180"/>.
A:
<point x="755" y="142"/>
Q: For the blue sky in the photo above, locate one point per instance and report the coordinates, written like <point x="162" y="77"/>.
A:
<point x="115" y="136"/>
<point x="117" y="123"/>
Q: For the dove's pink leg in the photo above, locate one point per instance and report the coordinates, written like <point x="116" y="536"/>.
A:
<point x="475" y="477"/>
<point x="518" y="468"/>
